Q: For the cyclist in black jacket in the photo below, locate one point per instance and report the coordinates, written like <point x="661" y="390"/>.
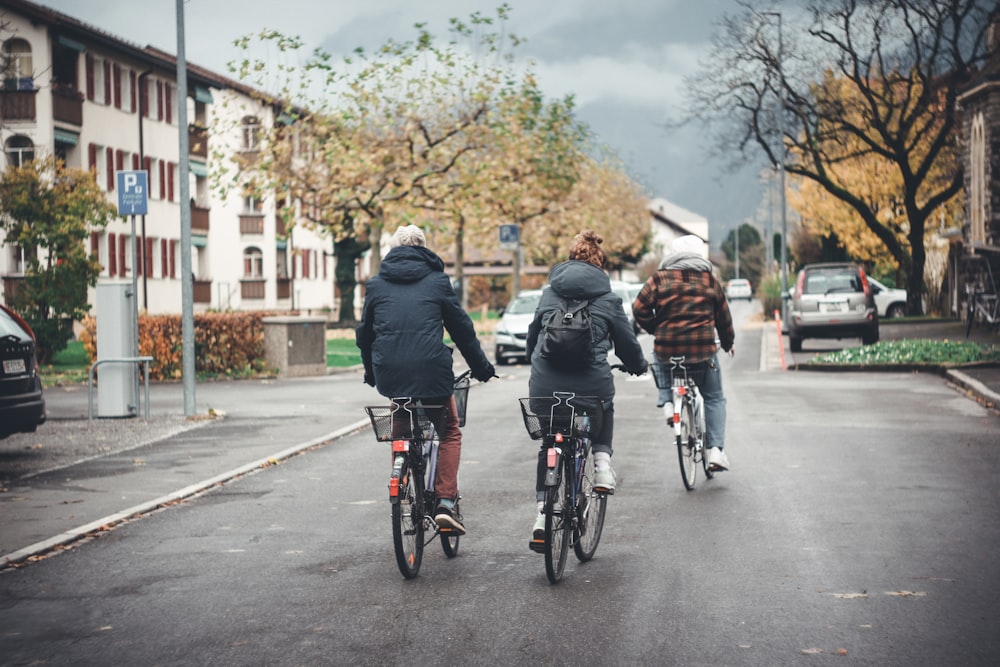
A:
<point x="408" y="305"/>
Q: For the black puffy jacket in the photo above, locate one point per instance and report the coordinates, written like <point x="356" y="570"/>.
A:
<point x="408" y="305"/>
<point x="575" y="279"/>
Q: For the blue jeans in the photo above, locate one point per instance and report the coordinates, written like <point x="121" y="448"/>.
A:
<point x="715" y="400"/>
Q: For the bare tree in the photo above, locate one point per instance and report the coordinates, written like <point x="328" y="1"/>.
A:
<point x="842" y="80"/>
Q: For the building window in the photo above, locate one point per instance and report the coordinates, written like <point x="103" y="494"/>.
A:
<point x="250" y="126"/>
<point x="17" y="65"/>
<point x="977" y="181"/>
<point x="253" y="263"/>
<point x="20" y="151"/>
<point x="252" y="205"/>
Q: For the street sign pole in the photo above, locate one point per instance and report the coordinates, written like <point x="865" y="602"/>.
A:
<point x="133" y="200"/>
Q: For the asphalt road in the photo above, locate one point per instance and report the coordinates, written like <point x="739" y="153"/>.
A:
<point x="860" y="522"/>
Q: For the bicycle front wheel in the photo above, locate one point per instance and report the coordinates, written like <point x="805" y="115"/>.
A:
<point x="408" y="523"/>
<point x="558" y="510"/>
<point x="590" y="509"/>
<point x="686" y="447"/>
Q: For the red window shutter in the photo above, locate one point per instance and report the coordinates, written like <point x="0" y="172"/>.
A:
<point x="144" y="97"/>
<point x="107" y="82"/>
<point x="109" y="167"/>
<point x="325" y="262"/>
<point x="173" y="259"/>
<point x="112" y="257"/>
<point x="147" y="164"/>
<point x="117" y="85"/>
<point x="163" y="181"/>
<point x="149" y="258"/>
<point x="135" y="162"/>
<point x="122" y="257"/>
<point x="305" y="264"/>
<point x="168" y="102"/>
<point x="120" y="160"/>
<point x="159" y="100"/>
<point x="163" y="259"/>
<point x="92" y="157"/>
<point x="170" y="181"/>
<point x="138" y="256"/>
<point x="95" y="245"/>
<point x="132" y="82"/>
<point x="91" y="84"/>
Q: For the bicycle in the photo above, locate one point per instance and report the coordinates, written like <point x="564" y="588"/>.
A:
<point x="406" y="424"/>
<point x="574" y="509"/>
<point x="685" y="413"/>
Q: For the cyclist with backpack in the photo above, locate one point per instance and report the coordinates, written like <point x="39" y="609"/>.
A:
<point x="586" y="373"/>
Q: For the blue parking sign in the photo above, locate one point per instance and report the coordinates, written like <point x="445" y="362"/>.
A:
<point x="509" y="235"/>
<point x="133" y="192"/>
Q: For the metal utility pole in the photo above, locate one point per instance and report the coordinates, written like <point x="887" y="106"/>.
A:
<point x="781" y="167"/>
<point x="187" y="282"/>
<point x="736" y="252"/>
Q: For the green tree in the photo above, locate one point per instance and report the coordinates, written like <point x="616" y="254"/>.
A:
<point x="752" y="252"/>
<point x="898" y="65"/>
<point x="48" y="211"/>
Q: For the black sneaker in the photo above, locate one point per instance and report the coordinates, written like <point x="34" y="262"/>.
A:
<point x="448" y="519"/>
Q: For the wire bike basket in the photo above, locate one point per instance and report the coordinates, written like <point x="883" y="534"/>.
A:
<point x="666" y="372"/>
<point x="461" y="397"/>
<point x="561" y="413"/>
<point x="400" y="420"/>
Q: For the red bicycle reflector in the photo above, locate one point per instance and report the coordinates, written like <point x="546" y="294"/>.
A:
<point x="677" y="418"/>
<point x="394" y="487"/>
<point x="682" y="390"/>
<point x="400" y="445"/>
<point x="559" y="437"/>
<point x="553" y="457"/>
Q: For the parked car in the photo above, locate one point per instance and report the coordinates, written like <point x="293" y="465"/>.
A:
<point x="832" y="300"/>
<point x="511" y="334"/>
<point x="627" y="292"/>
<point x="739" y="288"/>
<point x="22" y="405"/>
<point x="890" y="301"/>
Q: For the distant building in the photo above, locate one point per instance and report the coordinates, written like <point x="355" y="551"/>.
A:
<point x="102" y="103"/>
<point x="670" y="221"/>
<point x="974" y="255"/>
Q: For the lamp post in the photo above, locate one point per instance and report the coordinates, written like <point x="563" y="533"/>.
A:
<point x="781" y="167"/>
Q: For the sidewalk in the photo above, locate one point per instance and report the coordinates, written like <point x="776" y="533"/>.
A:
<point x="980" y="381"/>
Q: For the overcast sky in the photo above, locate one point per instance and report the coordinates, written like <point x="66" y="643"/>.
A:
<point x="623" y="60"/>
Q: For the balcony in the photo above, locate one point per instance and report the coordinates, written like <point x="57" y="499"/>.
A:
<point x="199" y="219"/>
<point x="284" y="288"/>
<point x="198" y="140"/>
<point x="252" y="288"/>
<point x="251" y="223"/>
<point x="67" y="105"/>
<point x="17" y="105"/>
<point x="11" y="284"/>
<point x="202" y="292"/>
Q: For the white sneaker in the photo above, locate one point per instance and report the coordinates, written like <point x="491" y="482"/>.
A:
<point x="717" y="459"/>
<point x="604" y="480"/>
<point x="538" y="532"/>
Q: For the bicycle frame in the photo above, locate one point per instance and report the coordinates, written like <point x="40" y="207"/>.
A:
<point x="685" y="413"/>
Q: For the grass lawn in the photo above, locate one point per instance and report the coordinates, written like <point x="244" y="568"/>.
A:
<point x="69" y="366"/>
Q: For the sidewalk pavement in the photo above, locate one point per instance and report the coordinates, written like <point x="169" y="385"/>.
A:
<point x="75" y="478"/>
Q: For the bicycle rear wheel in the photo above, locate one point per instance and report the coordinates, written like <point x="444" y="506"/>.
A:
<point x="590" y="509"/>
<point x="450" y="539"/>
<point x="408" y="523"/>
<point x="686" y="448"/>
<point x="558" y="510"/>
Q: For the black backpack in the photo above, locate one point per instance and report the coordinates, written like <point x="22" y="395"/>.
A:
<point x="569" y="338"/>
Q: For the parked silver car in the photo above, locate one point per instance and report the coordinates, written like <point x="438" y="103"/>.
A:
<point x="832" y="300"/>
<point x="511" y="335"/>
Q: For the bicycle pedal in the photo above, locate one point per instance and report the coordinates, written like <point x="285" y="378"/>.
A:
<point x="605" y="490"/>
<point x="538" y="546"/>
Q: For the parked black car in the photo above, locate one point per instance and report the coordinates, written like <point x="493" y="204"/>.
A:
<point x="832" y="300"/>
<point x="22" y="405"/>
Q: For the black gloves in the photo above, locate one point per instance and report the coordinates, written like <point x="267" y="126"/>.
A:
<point x="485" y="374"/>
<point x="642" y="370"/>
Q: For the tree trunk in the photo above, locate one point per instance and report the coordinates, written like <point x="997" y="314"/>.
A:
<point x="915" y="276"/>
<point x="460" y="262"/>
<point x="347" y="253"/>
